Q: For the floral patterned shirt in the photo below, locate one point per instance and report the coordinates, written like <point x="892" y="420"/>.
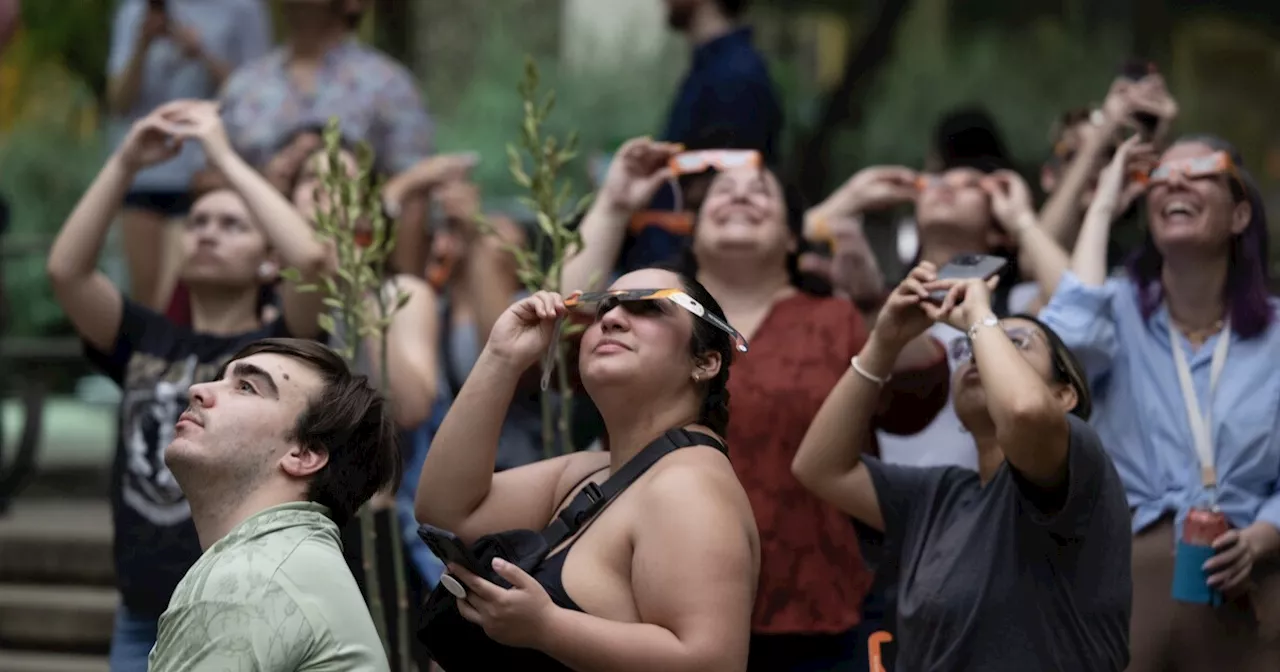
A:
<point x="375" y="99"/>
<point x="274" y="594"/>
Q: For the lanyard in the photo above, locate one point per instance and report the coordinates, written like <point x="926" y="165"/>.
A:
<point x="1201" y="423"/>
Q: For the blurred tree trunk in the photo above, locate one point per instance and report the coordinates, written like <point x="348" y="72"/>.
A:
<point x="844" y="105"/>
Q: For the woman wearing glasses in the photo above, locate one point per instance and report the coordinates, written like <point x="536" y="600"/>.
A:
<point x="813" y="579"/>
<point x="1182" y="354"/>
<point x="666" y="579"/>
<point x="1020" y="565"/>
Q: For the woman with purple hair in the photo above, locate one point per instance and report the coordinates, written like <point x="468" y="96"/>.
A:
<point x="1181" y="354"/>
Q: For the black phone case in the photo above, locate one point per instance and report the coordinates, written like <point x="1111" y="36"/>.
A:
<point x="450" y="548"/>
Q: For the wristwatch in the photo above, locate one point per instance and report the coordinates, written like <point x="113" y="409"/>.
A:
<point x="988" y="321"/>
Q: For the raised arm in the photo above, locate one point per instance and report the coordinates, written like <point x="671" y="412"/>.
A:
<point x="838" y="220"/>
<point x="291" y="237"/>
<point x="412" y="344"/>
<point x="1039" y="255"/>
<point x="1089" y="260"/>
<point x="635" y="174"/>
<point x="489" y="272"/>
<point x="829" y="461"/>
<point x="91" y="302"/>
<point x="458" y="490"/>
<point x="1030" y="421"/>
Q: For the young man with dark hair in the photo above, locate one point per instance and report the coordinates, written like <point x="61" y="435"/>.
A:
<point x="274" y="457"/>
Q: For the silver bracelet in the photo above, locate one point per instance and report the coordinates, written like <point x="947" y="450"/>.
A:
<point x="863" y="372"/>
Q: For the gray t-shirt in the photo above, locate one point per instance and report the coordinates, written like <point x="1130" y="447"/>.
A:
<point x="1007" y="576"/>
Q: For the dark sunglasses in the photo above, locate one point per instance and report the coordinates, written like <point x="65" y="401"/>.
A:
<point x="640" y="303"/>
<point x="650" y="302"/>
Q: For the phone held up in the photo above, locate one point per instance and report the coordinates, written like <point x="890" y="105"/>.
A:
<point x="968" y="267"/>
<point x="1135" y="70"/>
<point x="450" y="549"/>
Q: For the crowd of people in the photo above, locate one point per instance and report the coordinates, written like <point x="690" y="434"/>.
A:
<point x="782" y="451"/>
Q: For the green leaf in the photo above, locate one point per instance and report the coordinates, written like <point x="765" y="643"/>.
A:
<point x="402" y="300"/>
<point x="291" y="275"/>
<point x="517" y="168"/>
<point x="325" y="320"/>
<point x="548" y="104"/>
<point x="307" y="289"/>
<point x="544" y="222"/>
<point x="332" y="302"/>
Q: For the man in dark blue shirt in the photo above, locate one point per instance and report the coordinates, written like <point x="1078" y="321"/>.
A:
<point x="727" y="95"/>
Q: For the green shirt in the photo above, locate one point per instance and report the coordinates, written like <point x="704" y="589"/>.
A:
<point x="274" y="595"/>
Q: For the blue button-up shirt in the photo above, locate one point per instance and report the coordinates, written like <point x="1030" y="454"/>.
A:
<point x="728" y="94"/>
<point x="1142" y="418"/>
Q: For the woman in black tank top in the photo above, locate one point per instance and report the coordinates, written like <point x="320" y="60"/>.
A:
<point x="666" y="581"/>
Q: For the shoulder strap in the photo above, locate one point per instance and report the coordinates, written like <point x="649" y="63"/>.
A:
<point x="592" y="499"/>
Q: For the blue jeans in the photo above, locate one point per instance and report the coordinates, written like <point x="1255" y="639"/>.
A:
<point x="131" y="641"/>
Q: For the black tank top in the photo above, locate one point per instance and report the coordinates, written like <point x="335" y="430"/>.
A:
<point x="458" y="645"/>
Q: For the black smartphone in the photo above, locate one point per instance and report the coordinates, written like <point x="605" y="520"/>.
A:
<point x="968" y="267"/>
<point x="449" y="548"/>
<point x="1134" y="70"/>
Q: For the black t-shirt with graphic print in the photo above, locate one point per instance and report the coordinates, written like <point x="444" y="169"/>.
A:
<point x="995" y="577"/>
<point x="155" y="361"/>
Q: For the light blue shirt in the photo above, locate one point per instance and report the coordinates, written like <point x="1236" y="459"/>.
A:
<point x="232" y="31"/>
<point x="1141" y="416"/>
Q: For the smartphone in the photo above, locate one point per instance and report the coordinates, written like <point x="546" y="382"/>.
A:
<point x="449" y="548"/>
<point x="968" y="267"/>
<point x="1134" y="70"/>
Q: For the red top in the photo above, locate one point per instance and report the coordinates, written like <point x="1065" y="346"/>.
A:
<point x="812" y="577"/>
<point x="179" y="311"/>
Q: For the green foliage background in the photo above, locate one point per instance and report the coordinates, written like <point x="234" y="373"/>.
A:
<point x="470" y="57"/>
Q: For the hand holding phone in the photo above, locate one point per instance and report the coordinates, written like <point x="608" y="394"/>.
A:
<point x="968" y="267"/>
<point x="450" y="549"/>
<point x="1136" y="71"/>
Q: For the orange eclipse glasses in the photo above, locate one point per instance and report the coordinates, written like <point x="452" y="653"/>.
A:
<point x="1217" y="163"/>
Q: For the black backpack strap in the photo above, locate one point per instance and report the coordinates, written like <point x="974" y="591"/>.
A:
<point x="592" y="499"/>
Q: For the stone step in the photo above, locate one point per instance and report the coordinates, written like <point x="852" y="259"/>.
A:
<point x="56" y="542"/>
<point x="56" y="618"/>
<point x="34" y="661"/>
